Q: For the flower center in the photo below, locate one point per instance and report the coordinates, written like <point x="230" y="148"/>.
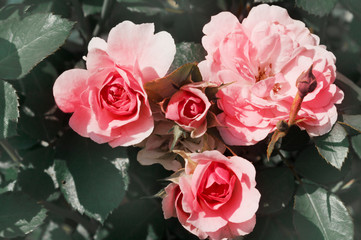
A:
<point x="192" y="108"/>
<point x="264" y="72"/>
<point x="115" y="95"/>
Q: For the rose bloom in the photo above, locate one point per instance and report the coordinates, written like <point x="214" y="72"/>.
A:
<point x="262" y="59"/>
<point x="156" y="148"/>
<point x="107" y="99"/>
<point x="215" y="198"/>
<point x="188" y="108"/>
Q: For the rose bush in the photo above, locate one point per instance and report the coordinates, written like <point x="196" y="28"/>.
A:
<point x="262" y="59"/>
<point x="188" y="107"/>
<point x="107" y="99"/>
<point x="215" y="197"/>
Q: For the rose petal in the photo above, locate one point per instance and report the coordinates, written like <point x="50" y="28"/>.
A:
<point x="68" y="88"/>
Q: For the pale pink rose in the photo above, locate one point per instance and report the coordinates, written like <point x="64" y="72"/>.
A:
<point x="188" y="108"/>
<point x="217" y="198"/>
<point x="156" y="148"/>
<point x="108" y="99"/>
<point x="262" y="59"/>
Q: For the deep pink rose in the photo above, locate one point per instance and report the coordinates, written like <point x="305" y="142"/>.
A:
<point x="262" y="59"/>
<point x="188" y="108"/>
<point x="216" y="198"/>
<point x="108" y="99"/>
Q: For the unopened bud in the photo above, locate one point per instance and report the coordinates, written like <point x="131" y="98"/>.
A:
<point x="306" y="82"/>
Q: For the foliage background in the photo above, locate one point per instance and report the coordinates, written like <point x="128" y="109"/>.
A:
<point x="57" y="185"/>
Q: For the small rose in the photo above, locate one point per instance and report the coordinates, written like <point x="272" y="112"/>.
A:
<point x="188" y="108"/>
<point x="219" y="200"/>
<point x="108" y="101"/>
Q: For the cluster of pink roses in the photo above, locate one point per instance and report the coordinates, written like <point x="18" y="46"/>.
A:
<point x="249" y="85"/>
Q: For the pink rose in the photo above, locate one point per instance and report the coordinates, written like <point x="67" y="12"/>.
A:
<point x="262" y="59"/>
<point x="217" y="198"/>
<point x="188" y="108"/>
<point x="108" y="99"/>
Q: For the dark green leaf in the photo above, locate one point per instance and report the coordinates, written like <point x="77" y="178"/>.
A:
<point x="312" y="166"/>
<point x="354" y="6"/>
<point x="9" y="112"/>
<point x="351" y="103"/>
<point x="333" y="146"/>
<point x="268" y="1"/>
<point x="276" y="186"/>
<point x="356" y="144"/>
<point x="137" y="220"/>
<point x="41" y="157"/>
<point x="28" y="40"/>
<point x="187" y="52"/>
<point x="317" y="7"/>
<point x="321" y="215"/>
<point x="19" y="214"/>
<point x="274" y="227"/>
<point x="36" y="183"/>
<point x="50" y="231"/>
<point x="92" y="177"/>
<point x="353" y="121"/>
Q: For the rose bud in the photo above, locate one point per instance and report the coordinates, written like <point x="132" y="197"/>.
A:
<point x="188" y="108"/>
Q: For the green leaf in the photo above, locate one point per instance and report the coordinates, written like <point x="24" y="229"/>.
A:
<point x="137" y="220"/>
<point x="19" y="214"/>
<point x="276" y="186"/>
<point x="9" y="112"/>
<point x="267" y="1"/>
<point x="321" y="215"/>
<point x="41" y="157"/>
<point x="353" y="121"/>
<point x="310" y="165"/>
<point x="333" y="146"/>
<point x="356" y="144"/>
<point x="187" y="52"/>
<point x="36" y="183"/>
<point x="92" y="177"/>
<point x="351" y="103"/>
<point x="28" y="40"/>
<point x="50" y="231"/>
<point x="274" y="227"/>
<point x="317" y="7"/>
<point x="353" y="6"/>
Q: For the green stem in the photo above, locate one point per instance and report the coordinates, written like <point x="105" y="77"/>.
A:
<point x="289" y="165"/>
<point x="106" y="9"/>
<point x="83" y="24"/>
<point x="10" y="151"/>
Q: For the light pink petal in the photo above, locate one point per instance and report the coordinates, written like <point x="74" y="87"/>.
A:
<point x="97" y="43"/>
<point x="80" y="120"/>
<point x="243" y="204"/>
<point x="137" y="45"/>
<point x="168" y="202"/>
<point x="233" y="230"/>
<point x="97" y="60"/>
<point x="68" y="88"/>
<point x="217" y="29"/>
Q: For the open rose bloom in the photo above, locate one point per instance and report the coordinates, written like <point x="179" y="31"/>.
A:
<point x="215" y="197"/>
<point x="262" y="57"/>
<point x="108" y="101"/>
